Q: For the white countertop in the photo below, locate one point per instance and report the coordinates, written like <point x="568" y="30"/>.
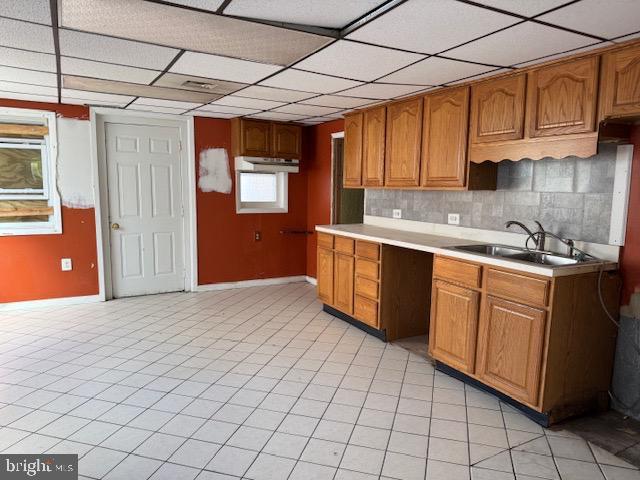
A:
<point x="440" y="244"/>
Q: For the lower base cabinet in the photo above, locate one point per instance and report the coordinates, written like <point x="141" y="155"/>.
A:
<point x="343" y="282"/>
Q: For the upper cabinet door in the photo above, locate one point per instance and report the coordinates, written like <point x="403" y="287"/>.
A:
<point x="620" y="92"/>
<point x="255" y="138"/>
<point x="497" y="109"/>
<point x="402" y="151"/>
<point x="287" y="140"/>
<point x="352" y="171"/>
<point x="444" y="138"/>
<point x="562" y="98"/>
<point x="373" y="147"/>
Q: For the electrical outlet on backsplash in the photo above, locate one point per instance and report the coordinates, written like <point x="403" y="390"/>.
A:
<point x="571" y="197"/>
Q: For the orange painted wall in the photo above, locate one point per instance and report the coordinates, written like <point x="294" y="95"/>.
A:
<point x="317" y="159"/>
<point x="30" y="264"/>
<point x="227" y="250"/>
<point x="630" y="261"/>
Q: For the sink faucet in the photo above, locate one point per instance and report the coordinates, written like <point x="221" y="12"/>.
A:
<point x="539" y="237"/>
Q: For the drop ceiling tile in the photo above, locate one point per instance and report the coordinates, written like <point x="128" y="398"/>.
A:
<point x="308" y="81"/>
<point x="27" y="36"/>
<point x="31" y="10"/>
<point x="108" y="71"/>
<point x="604" y="19"/>
<point x="626" y="38"/>
<point x="214" y="66"/>
<point x="226" y="109"/>
<point x="19" y="75"/>
<point x="15" y="87"/>
<point x="564" y="54"/>
<point x="134" y="89"/>
<point x="282" y="117"/>
<point x="327" y="13"/>
<point x="12" y="57"/>
<point x="202" y="113"/>
<point x="155" y="109"/>
<point x="526" y="8"/>
<point x="382" y="91"/>
<point x="526" y="42"/>
<point x="337" y="101"/>
<point x="221" y="87"/>
<point x="114" y="50"/>
<point x="491" y="73"/>
<point x="172" y="104"/>
<point x="80" y="97"/>
<point x="244" y="102"/>
<point x="173" y="26"/>
<point x="306" y="110"/>
<point x="316" y="120"/>
<point x="435" y="71"/>
<point x="29" y="97"/>
<point x="211" y="5"/>
<point x="357" y="61"/>
<point x="431" y="26"/>
<point x="278" y="94"/>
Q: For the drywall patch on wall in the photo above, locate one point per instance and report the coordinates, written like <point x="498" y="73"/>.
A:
<point x="214" y="174"/>
<point x="74" y="178"/>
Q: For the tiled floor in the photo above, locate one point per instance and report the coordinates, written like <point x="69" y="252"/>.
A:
<point x="260" y="384"/>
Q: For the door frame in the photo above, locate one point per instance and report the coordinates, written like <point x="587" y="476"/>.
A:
<point x="98" y="118"/>
<point x="334" y="136"/>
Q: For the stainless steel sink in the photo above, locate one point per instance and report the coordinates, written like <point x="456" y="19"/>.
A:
<point x="521" y="254"/>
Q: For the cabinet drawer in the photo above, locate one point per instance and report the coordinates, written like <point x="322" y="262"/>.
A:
<point x="325" y="240"/>
<point x="344" y="245"/>
<point x="367" y="250"/>
<point x="366" y="311"/>
<point x="528" y="290"/>
<point x="457" y="271"/>
<point x="367" y="268"/>
<point x="367" y="287"/>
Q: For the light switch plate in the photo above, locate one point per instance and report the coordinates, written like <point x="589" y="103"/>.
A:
<point x="453" y="219"/>
<point x="397" y="213"/>
<point x="66" y="265"/>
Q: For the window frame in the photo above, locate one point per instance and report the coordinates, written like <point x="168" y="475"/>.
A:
<point x="28" y="193"/>
<point x="49" y="170"/>
<point x="281" y="205"/>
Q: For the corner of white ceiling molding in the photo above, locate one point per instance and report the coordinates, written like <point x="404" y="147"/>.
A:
<point x="620" y="199"/>
<point x="604" y="252"/>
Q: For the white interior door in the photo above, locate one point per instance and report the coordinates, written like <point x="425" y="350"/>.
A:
<point x="145" y="209"/>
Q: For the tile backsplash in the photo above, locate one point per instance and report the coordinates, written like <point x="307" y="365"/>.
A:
<point x="570" y="197"/>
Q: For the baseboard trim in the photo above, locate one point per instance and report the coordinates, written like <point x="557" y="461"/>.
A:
<point x="260" y="282"/>
<point x="311" y="280"/>
<point x="48" y="302"/>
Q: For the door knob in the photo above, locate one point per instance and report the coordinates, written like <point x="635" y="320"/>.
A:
<point x="115" y="226"/>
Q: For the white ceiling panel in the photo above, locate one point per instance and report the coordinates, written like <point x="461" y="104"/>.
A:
<point x="326" y="13"/>
<point x="278" y="94"/>
<point x="431" y="26"/>
<point x="29" y="97"/>
<point x="80" y="97"/>
<point x="306" y="110"/>
<point x="31" y="10"/>
<point x="526" y="8"/>
<point x="308" y="81"/>
<point x="337" y="101"/>
<point x="564" y="54"/>
<point x="210" y="5"/>
<point x="282" y="117"/>
<point x="27" y="36"/>
<point x="12" y="57"/>
<point x="175" y="80"/>
<point x="608" y="19"/>
<point x="357" y="61"/>
<point x="317" y="120"/>
<point x="88" y="68"/>
<point x="28" y="89"/>
<point x="155" y="109"/>
<point x="19" y="75"/>
<point x="381" y="91"/>
<point x="244" y="102"/>
<point x="215" y="66"/>
<point x="202" y="113"/>
<point x="157" y="102"/>
<point x="526" y="41"/>
<point x="627" y="37"/>
<point x="227" y="109"/>
<point x="115" y="50"/>
<point x="435" y="71"/>
<point x="190" y="30"/>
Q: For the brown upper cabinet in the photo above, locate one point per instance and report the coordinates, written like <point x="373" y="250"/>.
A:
<point x="562" y="98"/>
<point x="403" y="139"/>
<point x="373" y="147"/>
<point x="497" y="109"/>
<point x="620" y="89"/>
<point x="352" y="162"/>
<point x="257" y="138"/>
<point x="444" y="138"/>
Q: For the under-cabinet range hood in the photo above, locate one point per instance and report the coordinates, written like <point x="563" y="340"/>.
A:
<point x="265" y="164"/>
